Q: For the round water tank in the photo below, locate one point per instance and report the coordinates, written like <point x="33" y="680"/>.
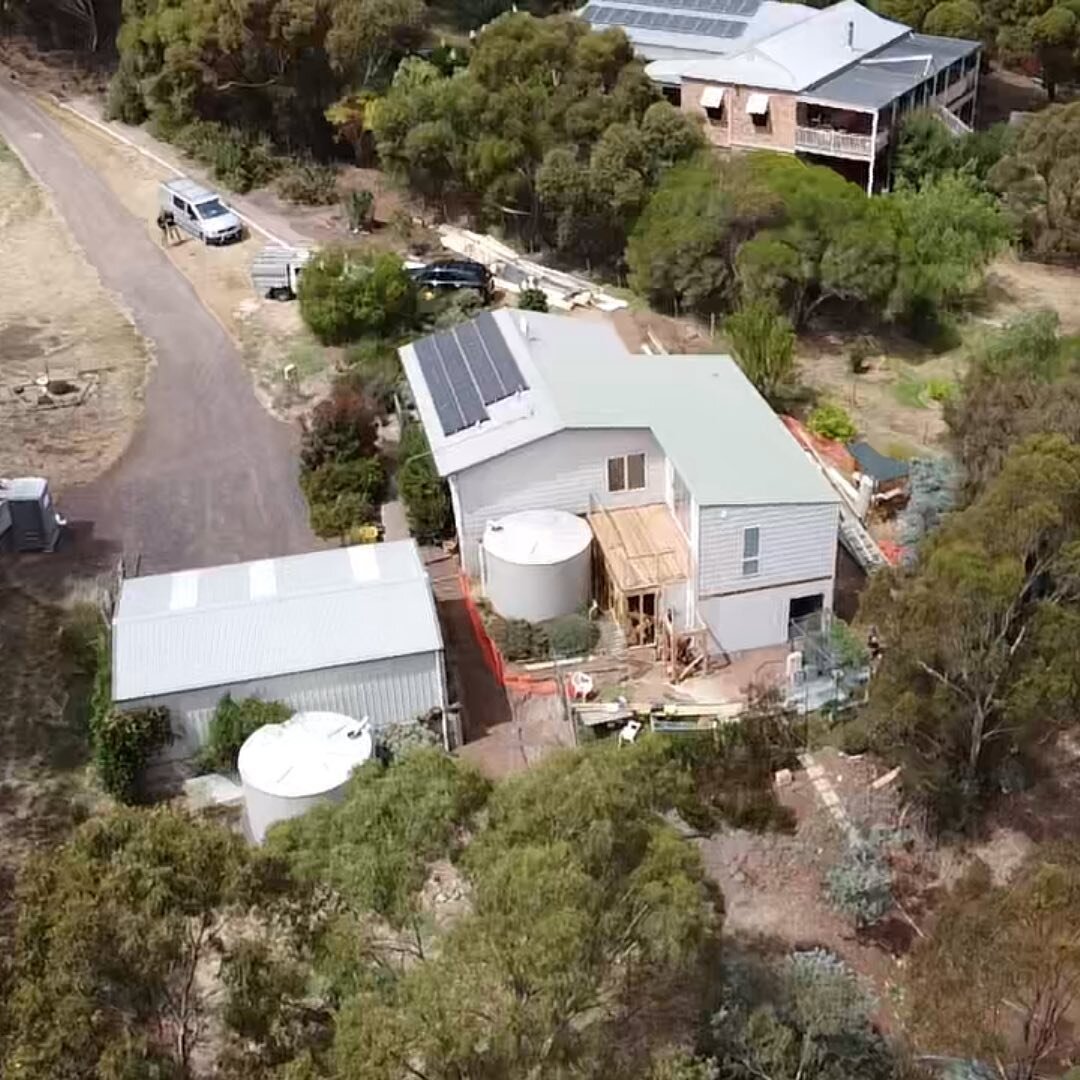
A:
<point x="286" y="769"/>
<point x="537" y="564"/>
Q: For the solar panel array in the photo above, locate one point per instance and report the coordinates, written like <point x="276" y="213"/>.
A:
<point x="743" y="9"/>
<point x="663" y="21"/>
<point x="467" y="368"/>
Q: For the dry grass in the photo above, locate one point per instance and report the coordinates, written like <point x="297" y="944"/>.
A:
<point x="57" y="319"/>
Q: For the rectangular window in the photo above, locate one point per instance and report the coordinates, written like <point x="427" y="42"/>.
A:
<point x="616" y="474"/>
<point x="626" y="473"/>
<point x="760" y="120"/>
<point x="751" y="551"/>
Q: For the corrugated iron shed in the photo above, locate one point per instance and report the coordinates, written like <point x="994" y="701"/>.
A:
<point x="229" y="624"/>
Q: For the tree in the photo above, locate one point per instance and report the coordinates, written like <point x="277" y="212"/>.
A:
<point x="583" y="900"/>
<point x="1002" y="969"/>
<point x="113" y="928"/>
<point x="1020" y="381"/>
<point x="1036" y="179"/>
<point x="977" y="637"/>
<point x="764" y="345"/>
<point x="681" y="253"/>
<point x="365" y="35"/>
<point x="955" y="18"/>
<point x="926" y="150"/>
<point x="909" y="12"/>
<point x="1054" y="35"/>
<point x="346" y="295"/>
<point x="342" y="428"/>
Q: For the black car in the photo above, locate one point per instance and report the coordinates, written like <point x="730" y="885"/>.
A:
<point x="455" y="274"/>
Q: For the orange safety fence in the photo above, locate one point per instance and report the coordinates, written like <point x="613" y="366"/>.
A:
<point x="511" y="680"/>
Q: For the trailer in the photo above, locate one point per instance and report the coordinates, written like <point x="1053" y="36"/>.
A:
<point x="275" y="273"/>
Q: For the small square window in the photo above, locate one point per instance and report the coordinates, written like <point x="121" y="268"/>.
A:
<point x="635" y="472"/>
<point x="751" y="554"/>
<point x="616" y="474"/>
<point x="715" y="116"/>
<point x="761" y="120"/>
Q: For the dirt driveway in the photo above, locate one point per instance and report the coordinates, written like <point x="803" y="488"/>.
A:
<point x="209" y="477"/>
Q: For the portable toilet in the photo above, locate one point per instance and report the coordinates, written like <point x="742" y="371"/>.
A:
<point x="34" y="523"/>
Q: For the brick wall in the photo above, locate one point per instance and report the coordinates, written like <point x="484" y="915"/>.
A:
<point x="737" y="127"/>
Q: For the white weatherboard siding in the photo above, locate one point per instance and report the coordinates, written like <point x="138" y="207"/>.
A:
<point x="397" y="688"/>
<point x="798" y="543"/>
<point x="559" y="472"/>
<point x="757" y="619"/>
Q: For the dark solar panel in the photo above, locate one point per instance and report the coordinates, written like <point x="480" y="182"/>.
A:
<point x="484" y="373"/>
<point x="460" y="378"/>
<point x="742" y="8"/>
<point x="673" y="22"/>
<point x="501" y="357"/>
<point x="445" y="405"/>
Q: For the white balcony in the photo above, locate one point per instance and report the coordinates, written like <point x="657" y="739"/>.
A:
<point x="818" y="140"/>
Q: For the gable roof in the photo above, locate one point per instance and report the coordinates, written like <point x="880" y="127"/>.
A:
<point x="801" y="55"/>
<point x="728" y="445"/>
<point x="228" y="624"/>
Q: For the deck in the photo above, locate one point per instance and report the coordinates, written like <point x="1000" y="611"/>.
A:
<point x="643" y="546"/>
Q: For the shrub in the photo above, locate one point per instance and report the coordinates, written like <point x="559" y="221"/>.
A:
<point x="359" y="207"/>
<point x="859" y="354"/>
<point x="80" y="637"/>
<point x="342" y="428"/>
<point x="363" y="476"/>
<point x="374" y="368"/>
<point x="832" y="422"/>
<point x="532" y="299"/>
<point x="308" y="183"/>
<point x="238" y="160"/>
<point x="348" y="295"/>
<point x="940" y="390"/>
<point x="860" y="885"/>
<point x="123" y="741"/>
<point x="425" y="494"/>
<point x="571" y="635"/>
<point x="342" y="517"/>
<point x="394" y="741"/>
<point x="125" y="100"/>
<point x="232" y="723"/>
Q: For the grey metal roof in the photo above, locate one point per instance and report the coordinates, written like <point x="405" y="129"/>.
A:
<point x="668" y="29"/>
<point x="728" y="445"/>
<point x="876" y="464"/>
<point x="227" y="624"/>
<point x="891" y="72"/>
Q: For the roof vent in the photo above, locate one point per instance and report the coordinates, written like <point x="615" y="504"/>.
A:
<point x="524" y="324"/>
<point x="851" y="34"/>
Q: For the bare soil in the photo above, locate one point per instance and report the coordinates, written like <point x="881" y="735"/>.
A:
<point x="1015" y="285"/>
<point x="60" y="325"/>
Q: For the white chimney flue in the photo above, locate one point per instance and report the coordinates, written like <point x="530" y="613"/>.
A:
<point x="851" y="34"/>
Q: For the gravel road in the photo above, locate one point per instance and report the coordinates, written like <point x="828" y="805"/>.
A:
<point x="209" y="476"/>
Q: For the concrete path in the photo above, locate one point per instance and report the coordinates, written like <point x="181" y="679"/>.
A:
<point x="209" y="477"/>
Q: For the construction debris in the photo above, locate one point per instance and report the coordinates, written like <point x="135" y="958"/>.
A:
<point x="513" y="272"/>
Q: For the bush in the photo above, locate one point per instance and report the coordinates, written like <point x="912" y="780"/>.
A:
<point x="348" y="295"/>
<point x="832" y="422"/>
<point x="342" y="428"/>
<point x="80" y="637"/>
<point x="375" y="369"/>
<point x="571" y="635"/>
<point x="308" y="183"/>
<point x="123" y="741"/>
<point x="363" y="476"/>
<point x="231" y="724"/>
<point x="342" y="517"/>
<point x="394" y="741"/>
<point x="425" y="494"/>
<point x="125" y="100"/>
<point x="532" y="299"/>
<point x="860" y="885"/>
<point x="359" y="207"/>
<point x="859" y="354"/>
<point x="240" y="161"/>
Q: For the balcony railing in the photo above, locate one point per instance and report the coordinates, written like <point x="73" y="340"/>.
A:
<point x="827" y="141"/>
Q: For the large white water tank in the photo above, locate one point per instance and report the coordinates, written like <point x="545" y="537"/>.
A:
<point x="537" y="564"/>
<point x="286" y="769"/>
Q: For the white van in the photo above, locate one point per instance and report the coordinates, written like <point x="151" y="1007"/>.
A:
<point x="200" y="211"/>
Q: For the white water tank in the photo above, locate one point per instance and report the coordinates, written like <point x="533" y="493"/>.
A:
<point x="286" y="769"/>
<point x="537" y="564"/>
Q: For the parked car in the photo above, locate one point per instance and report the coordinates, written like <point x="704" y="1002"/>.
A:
<point x="200" y="212"/>
<point x="455" y="274"/>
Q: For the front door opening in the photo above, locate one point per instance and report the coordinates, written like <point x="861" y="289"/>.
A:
<point x="641" y="617"/>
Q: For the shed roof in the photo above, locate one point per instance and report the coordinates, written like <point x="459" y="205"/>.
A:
<point x="881" y="467"/>
<point x="729" y="447"/>
<point x="227" y="624"/>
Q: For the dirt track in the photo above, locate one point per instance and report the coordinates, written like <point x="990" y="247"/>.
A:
<point x="209" y="477"/>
